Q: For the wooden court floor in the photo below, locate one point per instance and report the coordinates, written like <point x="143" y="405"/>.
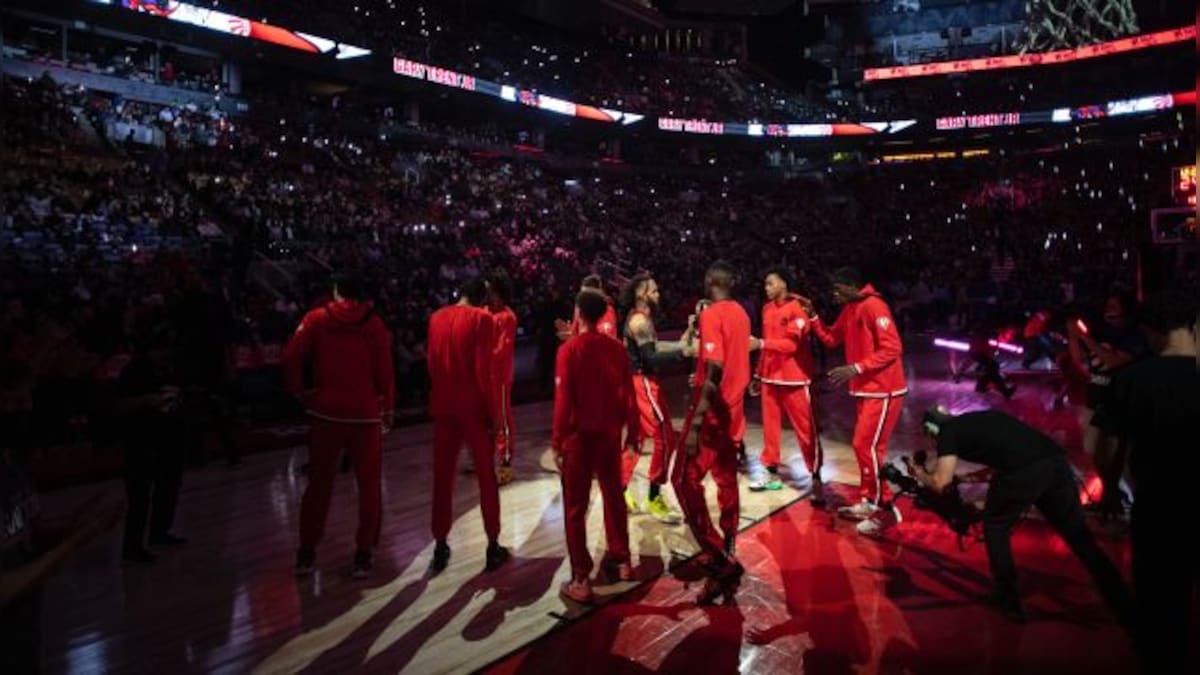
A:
<point x="227" y="602"/>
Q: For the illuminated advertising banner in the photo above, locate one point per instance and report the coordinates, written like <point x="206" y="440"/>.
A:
<point x="691" y="126"/>
<point x="1096" y="111"/>
<point x="1134" y="106"/>
<point x="433" y="74"/>
<point x="450" y="78"/>
<point x="231" y="24"/>
<point x="1129" y="44"/>
<point x="978" y="121"/>
<point x="930" y="156"/>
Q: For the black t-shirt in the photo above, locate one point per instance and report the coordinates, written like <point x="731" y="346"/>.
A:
<point x="995" y="440"/>
<point x="1155" y="404"/>
<point x="141" y="378"/>
<point x="1128" y="340"/>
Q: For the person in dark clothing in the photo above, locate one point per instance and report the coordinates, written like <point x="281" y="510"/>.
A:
<point x="984" y="355"/>
<point x="204" y="321"/>
<point x="1039" y="341"/>
<point x="149" y="409"/>
<point x="1153" y="405"/>
<point x="1105" y="349"/>
<point x="1029" y="469"/>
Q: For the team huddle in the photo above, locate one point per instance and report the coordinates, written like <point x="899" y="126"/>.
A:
<point x="608" y="403"/>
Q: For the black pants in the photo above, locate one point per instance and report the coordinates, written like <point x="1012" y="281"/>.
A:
<point x="1050" y="485"/>
<point x="207" y="410"/>
<point x="1166" y="579"/>
<point x="989" y="373"/>
<point x="153" y="475"/>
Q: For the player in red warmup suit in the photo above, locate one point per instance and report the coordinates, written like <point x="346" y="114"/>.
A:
<point x="607" y="324"/>
<point x="499" y="292"/>
<point x="464" y="406"/>
<point x="648" y="354"/>
<point x="715" y="426"/>
<point x="351" y="402"/>
<point x="593" y="402"/>
<point x="784" y="375"/>
<point x="876" y="375"/>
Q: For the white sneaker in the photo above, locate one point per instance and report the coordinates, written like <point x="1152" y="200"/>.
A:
<point x="753" y="466"/>
<point x="860" y="511"/>
<point x="799" y="476"/>
<point x="765" y="481"/>
<point x="882" y="521"/>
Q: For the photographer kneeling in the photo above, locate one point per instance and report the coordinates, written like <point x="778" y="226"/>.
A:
<point x="1029" y="469"/>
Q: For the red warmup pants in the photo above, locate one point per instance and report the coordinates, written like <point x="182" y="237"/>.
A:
<point x="877" y="418"/>
<point x="504" y="435"/>
<point x="449" y="435"/>
<point x="718" y="453"/>
<point x="326" y="441"/>
<point x="795" y="402"/>
<point x="594" y="456"/>
<point x="655" y="423"/>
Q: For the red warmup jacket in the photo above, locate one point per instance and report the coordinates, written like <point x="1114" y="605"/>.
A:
<point x="461" y="349"/>
<point x="350" y="350"/>
<point x="593" y="390"/>
<point x="872" y="345"/>
<point x="506" y="344"/>
<point x="606" y="326"/>
<point x="786" y="358"/>
<point x="725" y="339"/>
<point x="1037" y="324"/>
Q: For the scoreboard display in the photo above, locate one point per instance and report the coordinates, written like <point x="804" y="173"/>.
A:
<point x="1183" y="185"/>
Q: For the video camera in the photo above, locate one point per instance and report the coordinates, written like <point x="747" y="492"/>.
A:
<point x="959" y="515"/>
<point x="692" y="335"/>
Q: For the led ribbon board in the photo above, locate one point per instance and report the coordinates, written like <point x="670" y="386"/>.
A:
<point x="232" y="24"/>
<point x="1132" y="106"/>
<point x="450" y="78"/>
<point x="783" y="130"/>
<point x="1129" y="44"/>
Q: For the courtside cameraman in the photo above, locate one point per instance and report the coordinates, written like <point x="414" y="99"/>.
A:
<point x="1028" y="469"/>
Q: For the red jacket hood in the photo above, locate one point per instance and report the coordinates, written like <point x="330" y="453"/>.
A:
<point x="348" y="311"/>
<point x="868" y="290"/>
